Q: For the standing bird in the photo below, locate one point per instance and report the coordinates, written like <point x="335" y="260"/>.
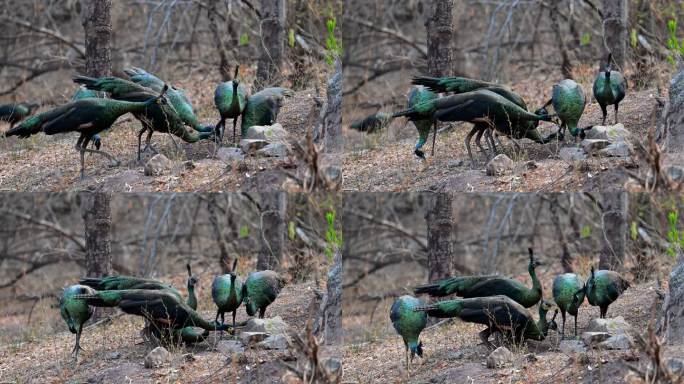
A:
<point x="87" y="117"/>
<point x="230" y="99"/>
<point x="409" y="324"/>
<point x="84" y="93"/>
<point x="418" y="95"/>
<point x="263" y="107"/>
<point x="492" y="285"/>
<point x="602" y="289"/>
<point x="75" y="312"/>
<point x="14" y="113"/>
<point x="564" y="288"/>
<point x="610" y="88"/>
<point x="498" y="313"/>
<point x="227" y="290"/>
<point x="372" y="123"/>
<point x="119" y="282"/>
<point x="260" y="290"/>
<point x="568" y="101"/>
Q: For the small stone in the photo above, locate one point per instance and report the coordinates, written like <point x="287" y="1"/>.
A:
<point x="250" y="338"/>
<point x="250" y="146"/>
<point x="590" y="146"/>
<point x="332" y="368"/>
<point x="613" y="326"/>
<point x="271" y="133"/>
<point x="332" y="176"/>
<point x="273" y="150"/>
<point x="229" y="347"/>
<point x="572" y="346"/>
<point x="113" y="355"/>
<point x="611" y="133"/>
<point x="572" y="154"/>
<point x="499" y="358"/>
<point x="279" y="342"/>
<point x="157" y="165"/>
<point x="676" y="173"/>
<point x="593" y="338"/>
<point x="675" y="367"/>
<point x="500" y="165"/>
<point x="616" y="149"/>
<point x="620" y="342"/>
<point x="230" y="154"/>
<point x="157" y="357"/>
<point x="271" y="326"/>
<point x="455" y="163"/>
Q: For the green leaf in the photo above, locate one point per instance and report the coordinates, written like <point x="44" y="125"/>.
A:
<point x="244" y="231"/>
<point x="291" y="230"/>
<point x="585" y="39"/>
<point x="244" y="39"/>
<point x="633" y="38"/>
<point x="585" y="232"/>
<point x="291" y="38"/>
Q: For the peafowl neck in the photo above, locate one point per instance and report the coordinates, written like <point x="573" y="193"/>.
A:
<point x="192" y="298"/>
<point x="536" y="284"/>
<point x="607" y="74"/>
<point x="542" y="324"/>
<point x="236" y="102"/>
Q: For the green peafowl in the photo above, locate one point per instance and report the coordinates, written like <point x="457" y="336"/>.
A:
<point x="192" y="281"/>
<point x="418" y="95"/>
<point x="492" y="285"/>
<point x="160" y="118"/>
<point x="610" y="88"/>
<point x="177" y="97"/>
<point x="75" y="312"/>
<point x="118" y="282"/>
<point x="263" y="107"/>
<point x="498" y="313"/>
<point x="564" y="288"/>
<point x="230" y="99"/>
<point x="602" y="289"/>
<point x="372" y="123"/>
<point x="14" y="113"/>
<point x="226" y="290"/>
<point x="568" y="101"/>
<point x="84" y="93"/>
<point x="463" y="85"/>
<point x="260" y="290"/>
<point x="409" y="324"/>
<point x="87" y="117"/>
<point x="161" y="308"/>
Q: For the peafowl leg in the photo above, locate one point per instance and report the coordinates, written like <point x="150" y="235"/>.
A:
<point x="605" y="113"/>
<point x="604" y="310"/>
<point x="218" y="137"/>
<point x="79" y="148"/>
<point x="434" y="138"/>
<point x="77" y="347"/>
<point x="575" y="326"/>
<point x="478" y="142"/>
<point x="140" y="140"/>
<point x="113" y="160"/>
<point x="563" y="328"/>
<point x="223" y="321"/>
<point x="491" y="144"/>
<point x="234" y="313"/>
<point x="234" y="130"/>
<point x="484" y="336"/>
<point x="469" y="136"/>
<point x="262" y="312"/>
<point x="616" y="113"/>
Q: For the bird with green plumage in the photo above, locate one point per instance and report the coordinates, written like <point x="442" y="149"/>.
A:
<point x="177" y="97"/>
<point x="191" y="301"/>
<point x="418" y="95"/>
<point x="499" y="314"/>
<point x="568" y="102"/>
<point x="157" y="118"/>
<point x="75" y="312"/>
<point x="84" y="93"/>
<point x="230" y="99"/>
<point x="226" y="291"/>
<point x="564" y="288"/>
<point x="409" y="324"/>
<point x="14" y="113"/>
<point x="489" y="285"/>
<point x="122" y="282"/>
<point x="88" y="117"/>
<point x="372" y="123"/>
<point x="610" y="88"/>
<point x="602" y="288"/>
<point x="263" y="108"/>
<point x="259" y="290"/>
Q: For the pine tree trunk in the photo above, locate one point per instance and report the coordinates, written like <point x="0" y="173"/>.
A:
<point x="273" y="227"/>
<point x="273" y="18"/>
<point x="440" y="229"/>
<point x="97" y="221"/>
<point x="615" y="35"/>
<point x="614" y="230"/>
<point x="98" y="32"/>
<point x="439" y="37"/>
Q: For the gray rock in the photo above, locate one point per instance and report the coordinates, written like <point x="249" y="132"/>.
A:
<point x="157" y="165"/>
<point x="271" y="326"/>
<point x="230" y="154"/>
<point x="675" y="367"/>
<point x="113" y="355"/>
<point x="230" y="347"/>
<point x="271" y="133"/>
<point x="592" y="146"/>
<point x="675" y="172"/>
<point x="332" y="176"/>
<point x="572" y="346"/>
<point x="455" y="163"/>
<point x="332" y="368"/>
<point x="500" y="165"/>
<point x="620" y="341"/>
<point x="612" y="326"/>
<point x="250" y="146"/>
<point x="250" y="338"/>
<point x="279" y="342"/>
<point x="611" y="133"/>
<point x="273" y="150"/>
<point x="593" y="338"/>
<point x="499" y="358"/>
<point x="572" y="154"/>
<point x="616" y="149"/>
<point x="121" y="373"/>
<point x="157" y="357"/>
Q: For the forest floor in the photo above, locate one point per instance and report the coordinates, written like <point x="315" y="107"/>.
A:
<point x="385" y="161"/>
<point x="453" y="352"/>
<point x="114" y="350"/>
<point x="50" y="163"/>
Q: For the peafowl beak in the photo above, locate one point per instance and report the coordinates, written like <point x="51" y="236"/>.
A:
<point x="420" y="154"/>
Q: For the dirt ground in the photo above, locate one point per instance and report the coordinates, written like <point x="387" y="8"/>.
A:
<point x="114" y="351"/>
<point x="385" y="161"/>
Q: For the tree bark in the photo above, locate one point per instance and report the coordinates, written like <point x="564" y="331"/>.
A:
<point x="98" y="33"/>
<point x="331" y="115"/>
<point x="674" y="305"/>
<point x="273" y="227"/>
<point x="670" y="130"/>
<point x="224" y="68"/>
<point x="332" y="313"/>
<point x="98" y="221"/>
<point x="614" y="230"/>
<point x="615" y="35"/>
<point x="440" y="229"/>
<point x="224" y="258"/>
<point x="439" y="37"/>
<point x="272" y="42"/>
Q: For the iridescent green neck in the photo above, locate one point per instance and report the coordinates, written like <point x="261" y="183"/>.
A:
<point x="542" y="324"/>
<point x="192" y="298"/>
<point x="536" y="284"/>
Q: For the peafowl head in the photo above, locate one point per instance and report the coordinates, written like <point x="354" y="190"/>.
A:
<point x="534" y="263"/>
<point x="416" y="349"/>
<point x="97" y="142"/>
<point x="552" y="325"/>
<point x="420" y="153"/>
<point x="608" y="66"/>
<point x="192" y="280"/>
<point x="576" y="296"/>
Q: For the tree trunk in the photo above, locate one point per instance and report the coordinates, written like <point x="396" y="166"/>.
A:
<point x="614" y="230"/>
<point x="439" y="231"/>
<point x="273" y="227"/>
<point x="439" y="37"/>
<point x="332" y="312"/>
<point x="670" y="130"/>
<point x="273" y="17"/>
<point x="98" y="221"/>
<point x="331" y="115"/>
<point x="224" y="68"/>
<point x="566" y="67"/>
<point x="98" y="32"/>
<point x="674" y="305"/>
<point x="225" y="261"/>
<point x="615" y="35"/>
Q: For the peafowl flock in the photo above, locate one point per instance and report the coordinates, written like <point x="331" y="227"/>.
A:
<point x="86" y="116"/>
<point x="230" y="99"/>
<point x="14" y="113"/>
<point x="409" y="324"/>
<point x="601" y="289"/>
<point x="491" y="285"/>
<point x="226" y="291"/>
<point x="260" y="290"/>
<point x="565" y="286"/>
<point x="75" y="312"/>
<point x="610" y="88"/>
